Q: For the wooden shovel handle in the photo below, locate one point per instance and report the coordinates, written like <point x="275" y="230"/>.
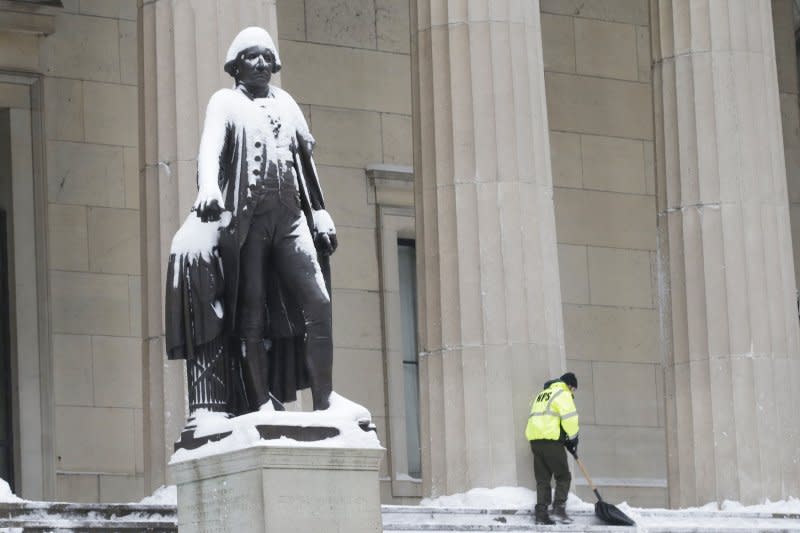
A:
<point x="586" y="475"/>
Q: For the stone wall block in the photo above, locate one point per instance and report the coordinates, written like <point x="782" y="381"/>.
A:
<point x="117" y="9"/>
<point x="605" y="219"/>
<point x="135" y="304"/>
<point x="128" y="52"/>
<point x="606" y="49"/>
<point x="114" y="237"/>
<point x="346" y="138"/>
<point x="626" y="11"/>
<point x="620" y="277"/>
<point x="584" y="400"/>
<point x="84" y="48"/>
<point x="110" y="113"/>
<point x="613" y="334"/>
<point x="291" y="19"/>
<point x="396" y="139"/>
<point x="341" y="22"/>
<point x="599" y="106"/>
<point x="20" y="51"/>
<point x="355" y="264"/>
<point x="565" y="155"/>
<point x="95" y="304"/>
<point x="63" y="102"/>
<point x="85" y="174"/>
<point x="72" y="367"/>
<point x="574" y="274"/>
<point x="355" y="373"/>
<point x="77" y="487"/>
<point x="68" y="239"/>
<point x="611" y="407"/>
<point x="362" y="329"/>
<point x="346" y="196"/>
<point x="117" y="371"/>
<point x="384" y="89"/>
<point x="612" y="164"/>
<point x="558" y="43"/>
<point x="605" y="458"/>
<point x="392" y="23"/>
<point x="128" y="488"/>
<point x="79" y="449"/>
<point x="133" y="175"/>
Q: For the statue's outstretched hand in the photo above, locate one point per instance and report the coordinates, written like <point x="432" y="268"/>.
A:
<point x="208" y="204"/>
<point x="326" y="243"/>
<point x="325" y="233"/>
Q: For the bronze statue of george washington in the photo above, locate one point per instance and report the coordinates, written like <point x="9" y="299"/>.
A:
<point x="248" y="285"/>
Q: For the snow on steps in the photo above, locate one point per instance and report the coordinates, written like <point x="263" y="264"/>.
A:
<point x="47" y="517"/>
<point x="411" y="519"/>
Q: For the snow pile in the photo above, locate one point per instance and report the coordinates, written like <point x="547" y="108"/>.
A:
<point x="6" y="496"/>
<point x="790" y="506"/>
<point x="164" y="495"/>
<point x="498" y="498"/>
<point x="342" y="414"/>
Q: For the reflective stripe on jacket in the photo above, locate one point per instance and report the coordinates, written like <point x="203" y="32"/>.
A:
<point x="552" y="410"/>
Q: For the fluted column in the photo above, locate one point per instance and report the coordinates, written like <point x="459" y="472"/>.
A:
<point x="184" y="43"/>
<point x="730" y="321"/>
<point x="491" y="327"/>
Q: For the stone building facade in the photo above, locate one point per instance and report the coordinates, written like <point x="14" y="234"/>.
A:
<point x="519" y="187"/>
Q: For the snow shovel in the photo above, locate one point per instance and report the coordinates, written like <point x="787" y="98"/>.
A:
<point x="605" y="511"/>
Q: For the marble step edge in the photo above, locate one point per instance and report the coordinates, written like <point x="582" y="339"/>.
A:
<point x="654" y="513"/>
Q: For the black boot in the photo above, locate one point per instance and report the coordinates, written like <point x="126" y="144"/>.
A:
<point x="542" y="517"/>
<point x="256" y="369"/>
<point x="560" y="514"/>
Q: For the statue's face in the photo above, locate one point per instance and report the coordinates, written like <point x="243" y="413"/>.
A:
<point x="254" y="66"/>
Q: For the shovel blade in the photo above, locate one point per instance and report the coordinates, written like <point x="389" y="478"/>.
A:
<point x="611" y="515"/>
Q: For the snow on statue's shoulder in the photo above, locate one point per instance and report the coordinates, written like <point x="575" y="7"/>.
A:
<point x="343" y="414"/>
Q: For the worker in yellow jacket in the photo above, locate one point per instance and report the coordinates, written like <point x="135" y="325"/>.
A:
<point x="553" y="426"/>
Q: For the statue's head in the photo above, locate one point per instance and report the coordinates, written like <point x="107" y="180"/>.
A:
<point x="252" y="57"/>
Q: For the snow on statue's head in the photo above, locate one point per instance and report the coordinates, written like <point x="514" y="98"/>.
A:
<point x="247" y="38"/>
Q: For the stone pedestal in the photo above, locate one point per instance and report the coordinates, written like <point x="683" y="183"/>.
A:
<point x="271" y="489"/>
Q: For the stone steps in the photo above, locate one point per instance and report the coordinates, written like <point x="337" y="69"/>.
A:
<point x="409" y="519"/>
<point x="47" y="517"/>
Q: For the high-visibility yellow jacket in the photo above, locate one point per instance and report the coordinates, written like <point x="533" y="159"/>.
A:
<point x="552" y="410"/>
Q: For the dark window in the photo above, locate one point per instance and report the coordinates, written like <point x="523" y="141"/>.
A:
<point x="407" y="259"/>
<point x="6" y="440"/>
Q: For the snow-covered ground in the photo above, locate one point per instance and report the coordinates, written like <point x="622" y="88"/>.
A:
<point x="724" y="517"/>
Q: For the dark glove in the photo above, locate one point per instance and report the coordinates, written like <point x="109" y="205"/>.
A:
<point x="572" y="445"/>
<point x="326" y="243"/>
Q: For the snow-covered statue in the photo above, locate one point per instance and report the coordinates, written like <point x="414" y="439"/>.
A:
<point x="248" y="285"/>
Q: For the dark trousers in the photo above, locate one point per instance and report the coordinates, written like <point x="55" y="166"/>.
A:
<point x="279" y="243"/>
<point x="550" y="461"/>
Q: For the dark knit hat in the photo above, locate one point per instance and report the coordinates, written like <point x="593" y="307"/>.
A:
<point x="570" y="379"/>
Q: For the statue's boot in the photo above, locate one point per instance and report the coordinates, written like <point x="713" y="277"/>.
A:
<point x="256" y="373"/>
<point x="319" y="358"/>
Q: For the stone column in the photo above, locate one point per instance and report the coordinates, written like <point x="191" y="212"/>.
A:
<point x="730" y="324"/>
<point x="491" y="329"/>
<point x="184" y="43"/>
